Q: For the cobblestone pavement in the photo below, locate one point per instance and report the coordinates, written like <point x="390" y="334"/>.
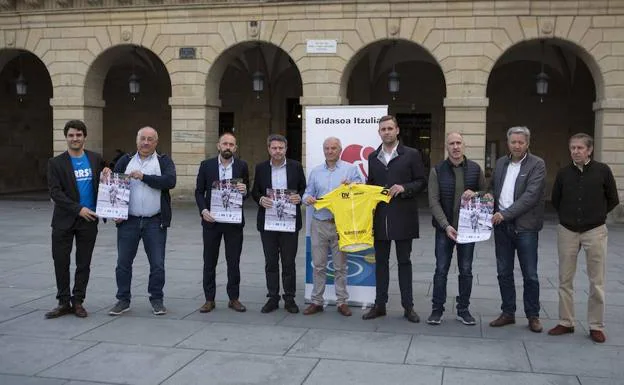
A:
<point x="224" y="347"/>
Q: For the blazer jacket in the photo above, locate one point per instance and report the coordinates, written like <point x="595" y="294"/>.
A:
<point x="64" y="189"/>
<point x="208" y="173"/>
<point x="398" y="220"/>
<point x="295" y="181"/>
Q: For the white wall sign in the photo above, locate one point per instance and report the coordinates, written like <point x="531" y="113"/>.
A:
<point x="321" y="46"/>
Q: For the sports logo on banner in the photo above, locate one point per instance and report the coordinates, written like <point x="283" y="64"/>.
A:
<point x="357" y="128"/>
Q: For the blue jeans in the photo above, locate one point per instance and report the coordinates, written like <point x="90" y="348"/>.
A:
<point x="129" y="233"/>
<point x="507" y="243"/>
<point x="444" y="254"/>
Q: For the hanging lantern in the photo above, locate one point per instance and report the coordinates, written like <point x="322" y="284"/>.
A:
<point x="21" y="87"/>
<point x="541" y="85"/>
<point x="134" y="86"/>
<point x="258" y="82"/>
<point x="393" y="83"/>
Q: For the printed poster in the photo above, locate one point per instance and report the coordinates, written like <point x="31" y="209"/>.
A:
<point x="113" y="196"/>
<point x="226" y="202"/>
<point x="475" y="219"/>
<point x="283" y="215"/>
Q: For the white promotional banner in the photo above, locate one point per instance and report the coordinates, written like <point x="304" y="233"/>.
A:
<point x="357" y="128"/>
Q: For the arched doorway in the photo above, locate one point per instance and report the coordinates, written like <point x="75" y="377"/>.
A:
<point x="254" y="114"/>
<point x="567" y="107"/>
<point x="25" y="122"/>
<point x="418" y="103"/>
<point x="122" y="113"/>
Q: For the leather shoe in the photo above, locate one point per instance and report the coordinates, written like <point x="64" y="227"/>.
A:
<point x="344" y="310"/>
<point x="59" y="311"/>
<point x="80" y="311"/>
<point x="291" y="306"/>
<point x="503" y="320"/>
<point x="535" y="325"/>
<point x="270" y="306"/>
<point x="560" y="329"/>
<point x="411" y="315"/>
<point x="374" y="312"/>
<point x="207" y="307"/>
<point x="235" y="305"/>
<point x="313" y="309"/>
<point x="597" y="336"/>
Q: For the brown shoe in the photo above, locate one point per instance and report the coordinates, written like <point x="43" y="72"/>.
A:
<point x="503" y="320"/>
<point x="80" y="311"/>
<point x="235" y="305"/>
<point x="560" y="329"/>
<point x="59" y="311"/>
<point x="344" y="310"/>
<point x="374" y="312"/>
<point x="535" y="325"/>
<point x="207" y="307"/>
<point x="597" y="336"/>
<point x="313" y="309"/>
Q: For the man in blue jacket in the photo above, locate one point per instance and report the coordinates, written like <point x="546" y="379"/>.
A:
<point x="149" y="215"/>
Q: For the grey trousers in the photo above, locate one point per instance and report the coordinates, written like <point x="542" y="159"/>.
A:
<point x="324" y="236"/>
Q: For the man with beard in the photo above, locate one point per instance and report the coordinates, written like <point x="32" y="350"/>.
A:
<point x="222" y="167"/>
<point x="73" y="179"/>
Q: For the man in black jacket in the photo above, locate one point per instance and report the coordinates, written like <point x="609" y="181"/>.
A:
<point x="149" y="215"/>
<point x="400" y="169"/>
<point x="73" y="179"/>
<point x="583" y="193"/>
<point x="279" y="173"/>
<point x="222" y="167"/>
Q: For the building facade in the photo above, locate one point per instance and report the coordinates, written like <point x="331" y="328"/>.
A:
<point x="468" y="66"/>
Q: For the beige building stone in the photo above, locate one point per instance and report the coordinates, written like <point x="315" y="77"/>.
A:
<point x="465" y="66"/>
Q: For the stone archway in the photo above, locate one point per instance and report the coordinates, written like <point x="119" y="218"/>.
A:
<point x="553" y="118"/>
<point x="253" y="115"/>
<point x="25" y="123"/>
<point x="114" y="111"/>
<point x="419" y="103"/>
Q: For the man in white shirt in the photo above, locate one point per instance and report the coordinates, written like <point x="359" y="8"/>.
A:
<point x="149" y="214"/>
<point x="518" y="185"/>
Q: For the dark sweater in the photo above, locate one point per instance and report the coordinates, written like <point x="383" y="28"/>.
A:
<point x="583" y="198"/>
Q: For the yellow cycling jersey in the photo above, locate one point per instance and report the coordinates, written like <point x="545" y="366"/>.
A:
<point x="353" y="206"/>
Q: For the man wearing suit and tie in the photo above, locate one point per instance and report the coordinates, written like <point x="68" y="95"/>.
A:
<point x="73" y="179"/>
<point x="279" y="173"/>
<point x="223" y="166"/>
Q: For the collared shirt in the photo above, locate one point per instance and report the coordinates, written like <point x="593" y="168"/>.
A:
<point x="225" y="172"/>
<point x="323" y="180"/>
<point x="582" y="168"/>
<point x="506" y="198"/>
<point x="278" y="176"/>
<point x="144" y="200"/>
<point x="385" y="157"/>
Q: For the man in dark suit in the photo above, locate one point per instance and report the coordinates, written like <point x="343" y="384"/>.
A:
<point x="400" y="169"/>
<point x="279" y="173"/>
<point x="73" y="179"/>
<point x="222" y="167"/>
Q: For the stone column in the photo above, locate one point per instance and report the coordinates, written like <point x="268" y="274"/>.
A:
<point x="194" y="126"/>
<point x="468" y="116"/>
<point x="64" y="109"/>
<point x="609" y="142"/>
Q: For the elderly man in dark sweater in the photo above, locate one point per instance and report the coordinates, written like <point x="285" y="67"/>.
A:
<point x="583" y="193"/>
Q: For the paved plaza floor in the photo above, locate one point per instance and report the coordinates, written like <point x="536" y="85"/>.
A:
<point x="224" y="347"/>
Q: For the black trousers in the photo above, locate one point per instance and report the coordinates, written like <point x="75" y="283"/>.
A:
<point x="278" y="245"/>
<point x="232" y="234"/>
<point x="382" y="271"/>
<point x="85" y="233"/>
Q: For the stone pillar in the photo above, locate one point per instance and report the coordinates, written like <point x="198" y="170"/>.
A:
<point x="194" y="125"/>
<point x="315" y="101"/>
<point x="468" y="116"/>
<point x="609" y="142"/>
<point x="64" y="109"/>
